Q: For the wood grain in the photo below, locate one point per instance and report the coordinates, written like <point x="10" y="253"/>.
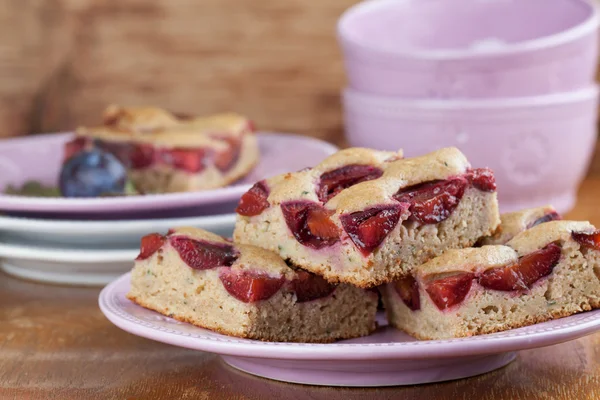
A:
<point x="62" y="61"/>
<point x="55" y="344"/>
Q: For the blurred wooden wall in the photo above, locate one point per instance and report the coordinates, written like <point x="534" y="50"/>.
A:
<point x="62" y="61"/>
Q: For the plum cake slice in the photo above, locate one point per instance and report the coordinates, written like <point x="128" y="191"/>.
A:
<point x="201" y="278"/>
<point x="515" y="222"/>
<point x="549" y="271"/>
<point x="365" y="217"/>
<point x="164" y="152"/>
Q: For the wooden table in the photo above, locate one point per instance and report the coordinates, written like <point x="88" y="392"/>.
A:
<point x="55" y="344"/>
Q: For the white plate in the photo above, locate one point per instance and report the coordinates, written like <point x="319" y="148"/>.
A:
<point x="66" y="266"/>
<point x="101" y="234"/>
<point x="387" y="357"/>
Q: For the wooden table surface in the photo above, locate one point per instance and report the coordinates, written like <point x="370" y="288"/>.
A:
<point x="55" y="344"/>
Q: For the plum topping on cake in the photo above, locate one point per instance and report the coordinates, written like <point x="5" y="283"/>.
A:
<point x="310" y="287"/>
<point x="254" y="201"/>
<point x="203" y="255"/>
<point x="320" y="224"/>
<point x="310" y="224"/>
<point x="369" y="228"/>
<point x="552" y="216"/>
<point x="189" y="160"/>
<point x="482" y="179"/>
<point x="450" y="290"/>
<point x="245" y="285"/>
<point x="141" y="155"/>
<point x="408" y="290"/>
<point x="432" y="202"/>
<point x="250" y="286"/>
<point x="135" y="156"/>
<point x="589" y="240"/>
<point x="333" y="182"/>
<point x="75" y="146"/>
<point x="150" y="245"/>
<point x="121" y="150"/>
<point x="226" y="159"/>
<point x="523" y="274"/>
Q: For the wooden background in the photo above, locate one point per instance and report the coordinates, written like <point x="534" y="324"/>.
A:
<point x="62" y="61"/>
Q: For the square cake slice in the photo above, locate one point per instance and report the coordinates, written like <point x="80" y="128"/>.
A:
<point x="516" y="222"/>
<point x="164" y="152"/>
<point x="549" y="271"/>
<point x="201" y="278"/>
<point x="366" y="217"/>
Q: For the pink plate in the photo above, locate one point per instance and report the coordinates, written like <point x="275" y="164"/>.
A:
<point x="39" y="158"/>
<point x="387" y="357"/>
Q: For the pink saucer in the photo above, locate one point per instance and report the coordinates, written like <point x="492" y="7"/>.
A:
<point x="387" y="357"/>
<point x="39" y="157"/>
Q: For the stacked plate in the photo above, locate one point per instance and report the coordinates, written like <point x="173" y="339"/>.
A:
<point x="92" y="241"/>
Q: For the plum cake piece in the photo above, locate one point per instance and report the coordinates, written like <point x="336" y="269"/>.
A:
<point x="165" y="152"/>
<point x="365" y="217"/>
<point x="549" y="271"/>
<point x="201" y="278"/>
<point x="515" y="222"/>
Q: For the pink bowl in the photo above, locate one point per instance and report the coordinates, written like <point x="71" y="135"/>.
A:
<point x="469" y="48"/>
<point x="539" y="147"/>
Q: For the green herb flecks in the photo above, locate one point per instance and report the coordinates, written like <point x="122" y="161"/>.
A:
<point x="33" y="188"/>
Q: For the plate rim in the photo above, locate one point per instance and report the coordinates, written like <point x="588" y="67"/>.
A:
<point x="66" y="255"/>
<point x="185" y="199"/>
<point x="512" y="340"/>
<point x="12" y="224"/>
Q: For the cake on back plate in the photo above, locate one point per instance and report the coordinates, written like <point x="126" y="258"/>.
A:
<point x="165" y="152"/>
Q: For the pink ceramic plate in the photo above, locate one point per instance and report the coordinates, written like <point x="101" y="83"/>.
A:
<point x="39" y="158"/>
<point x="387" y="357"/>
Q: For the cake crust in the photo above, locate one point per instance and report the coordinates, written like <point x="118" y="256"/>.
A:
<point x="161" y="128"/>
<point x="516" y="222"/>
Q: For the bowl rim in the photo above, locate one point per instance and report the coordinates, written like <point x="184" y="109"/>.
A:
<point x="575" y="96"/>
<point x="577" y="31"/>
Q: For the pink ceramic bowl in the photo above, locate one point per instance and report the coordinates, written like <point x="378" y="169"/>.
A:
<point x="469" y="48"/>
<point x="539" y="147"/>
